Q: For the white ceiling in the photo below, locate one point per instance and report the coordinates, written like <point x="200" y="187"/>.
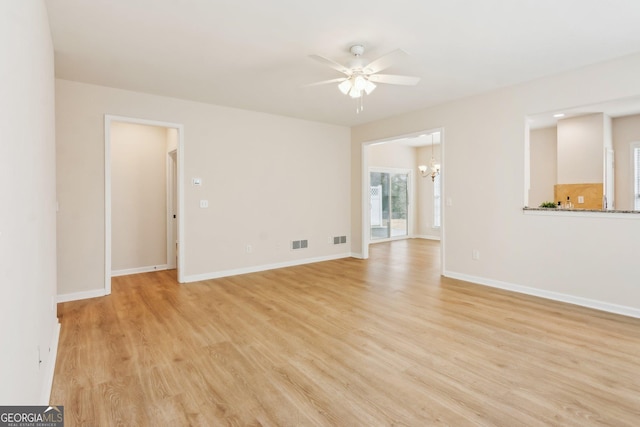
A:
<point x="254" y="54"/>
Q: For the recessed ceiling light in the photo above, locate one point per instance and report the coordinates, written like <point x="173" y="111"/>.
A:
<point x="557" y="116"/>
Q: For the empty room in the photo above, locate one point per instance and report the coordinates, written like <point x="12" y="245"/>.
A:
<point x="342" y="213"/>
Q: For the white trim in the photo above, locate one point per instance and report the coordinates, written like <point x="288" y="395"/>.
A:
<point x="356" y="255"/>
<point x="390" y="170"/>
<point x="138" y="270"/>
<point x="389" y="239"/>
<point x="172" y="183"/>
<point x="45" y="394"/>
<point x="555" y="296"/>
<point x="108" y="119"/>
<point x="107" y="204"/>
<point x="81" y="295"/>
<point x="180" y="179"/>
<point x="264" y="267"/>
<point x="366" y="199"/>
<point x="633" y="145"/>
<point x="443" y="200"/>
<point x="427" y="237"/>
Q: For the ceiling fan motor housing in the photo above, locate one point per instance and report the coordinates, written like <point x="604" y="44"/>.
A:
<point x="357" y="49"/>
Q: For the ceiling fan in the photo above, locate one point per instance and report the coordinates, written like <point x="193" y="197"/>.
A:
<point x="361" y="76"/>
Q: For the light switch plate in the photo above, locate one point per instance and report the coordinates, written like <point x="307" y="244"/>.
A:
<point x="204" y="203"/>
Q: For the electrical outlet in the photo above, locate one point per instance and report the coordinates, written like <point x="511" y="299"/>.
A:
<point x="249" y="249"/>
<point x="580" y="199"/>
<point x="475" y="255"/>
<point x="204" y="204"/>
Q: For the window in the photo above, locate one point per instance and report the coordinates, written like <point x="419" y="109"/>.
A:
<point x="436" y="202"/>
<point x="635" y="157"/>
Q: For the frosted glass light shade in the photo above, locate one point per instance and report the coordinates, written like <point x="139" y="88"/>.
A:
<point x="345" y="86"/>
<point x="369" y="87"/>
<point x="359" y="83"/>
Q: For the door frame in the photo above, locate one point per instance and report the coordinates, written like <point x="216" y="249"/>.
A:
<point x="172" y="192"/>
<point x="108" y="120"/>
<point x="364" y="169"/>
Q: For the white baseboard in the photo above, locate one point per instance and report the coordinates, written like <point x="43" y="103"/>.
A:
<point x="139" y="270"/>
<point x="45" y="394"/>
<point x="355" y="255"/>
<point x="257" y="268"/>
<point x="81" y="295"/>
<point x="556" y="296"/>
<point x="426" y="236"/>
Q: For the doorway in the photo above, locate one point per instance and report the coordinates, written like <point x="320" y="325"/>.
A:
<point x="425" y="213"/>
<point x="137" y="239"/>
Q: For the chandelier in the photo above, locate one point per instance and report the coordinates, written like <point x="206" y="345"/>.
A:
<point x="433" y="169"/>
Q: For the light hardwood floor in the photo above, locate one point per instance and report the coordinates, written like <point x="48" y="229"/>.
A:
<point x="385" y="341"/>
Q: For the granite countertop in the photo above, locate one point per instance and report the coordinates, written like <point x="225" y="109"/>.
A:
<point x="579" y="210"/>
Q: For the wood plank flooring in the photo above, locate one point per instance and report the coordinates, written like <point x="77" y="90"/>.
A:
<point x="385" y="341"/>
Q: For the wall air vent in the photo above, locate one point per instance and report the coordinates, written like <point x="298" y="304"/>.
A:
<point x="299" y="244"/>
<point x="338" y="240"/>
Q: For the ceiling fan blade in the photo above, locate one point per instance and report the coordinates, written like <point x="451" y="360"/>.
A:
<point x="385" y="61"/>
<point x="324" y="82"/>
<point x="394" y="79"/>
<point x="330" y="63"/>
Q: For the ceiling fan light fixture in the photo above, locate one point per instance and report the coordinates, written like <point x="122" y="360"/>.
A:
<point x="359" y="83"/>
<point x="369" y="87"/>
<point x="361" y="77"/>
<point x="345" y="86"/>
<point x="355" y="93"/>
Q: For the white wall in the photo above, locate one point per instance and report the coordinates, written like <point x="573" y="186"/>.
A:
<point x="581" y="149"/>
<point x="392" y="155"/>
<point x="544" y="165"/>
<point x="588" y="259"/>
<point x="138" y="196"/>
<point x="28" y="208"/>
<point x="268" y="179"/>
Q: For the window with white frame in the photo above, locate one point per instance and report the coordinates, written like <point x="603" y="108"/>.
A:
<point x="436" y="201"/>
<point x="635" y="157"/>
